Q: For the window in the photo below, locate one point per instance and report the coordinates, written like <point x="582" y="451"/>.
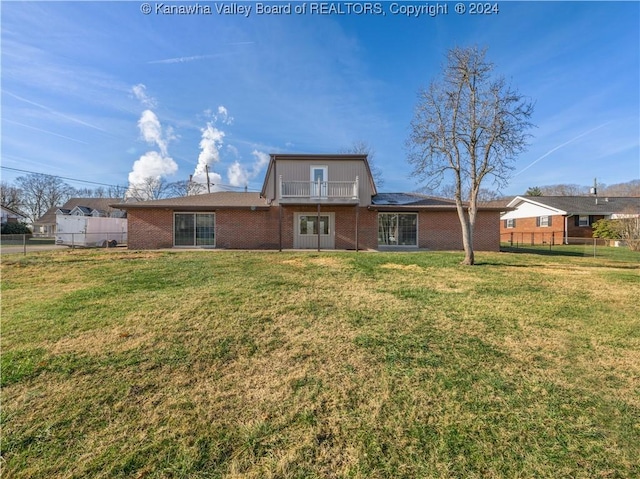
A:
<point x="194" y="229"/>
<point x="544" y="221"/>
<point x="319" y="181"/>
<point x="395" y="229"/>
<point x="583" y="221"/>
<point x="510" y="223"/>
<point x="308" y="224"/>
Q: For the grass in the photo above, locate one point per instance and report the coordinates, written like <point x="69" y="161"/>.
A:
<point x="302" y="365"/>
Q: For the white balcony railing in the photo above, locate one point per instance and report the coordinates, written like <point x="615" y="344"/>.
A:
<point x="319" y="190"/>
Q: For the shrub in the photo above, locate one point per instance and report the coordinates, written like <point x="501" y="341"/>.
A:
<point x="15" y="229"/>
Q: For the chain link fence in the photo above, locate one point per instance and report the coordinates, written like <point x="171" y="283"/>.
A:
<point x="550" y="243"/>
<point x="25" y="243"/>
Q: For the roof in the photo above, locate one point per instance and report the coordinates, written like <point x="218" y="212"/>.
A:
<point x="588" y="205"/>
<point x="316" y="157"/>
<point x="100" y="204"/>
<point x="13" y="211"/>
<point x="416" y="200"/>
<point x="207" y="201"/>
<point x="413" y="199"/>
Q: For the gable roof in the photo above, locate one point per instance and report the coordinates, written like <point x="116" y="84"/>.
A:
<point x="319" y="158"/>
<point x="204" y="202"/>
<point x="587" y="205"/>
<point x="13" y="211"/>
<point x="100" y="204"/>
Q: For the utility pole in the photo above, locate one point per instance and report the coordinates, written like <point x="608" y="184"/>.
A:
<point x="206" y="168"/>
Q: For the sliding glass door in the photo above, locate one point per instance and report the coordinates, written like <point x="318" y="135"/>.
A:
<point x="194" y="229"/>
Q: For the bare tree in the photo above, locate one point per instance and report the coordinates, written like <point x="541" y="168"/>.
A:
<point x="468" y="126"/>
<point x="41" y="192"/>
<point x="564" y="190"/>
<point x="629" y="228"/>
<point x="10" y="195"/>
<point x="361" y="147"/>
<point x="186" y="188"/>
<point x="630" y="188"/>
<point x="150" y="188"/>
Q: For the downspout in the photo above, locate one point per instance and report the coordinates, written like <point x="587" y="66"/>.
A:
<point x="566" y="229"/>
<point x="318" y="226"/>
<point x="357" y="224"/>
<point x="275" y="198"/>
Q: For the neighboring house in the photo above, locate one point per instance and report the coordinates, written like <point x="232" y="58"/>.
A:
<point x="89" y="207"/>
<point x="560" y="219"/>
<point x="11" y="215"/>
<point x="307" y="202"/>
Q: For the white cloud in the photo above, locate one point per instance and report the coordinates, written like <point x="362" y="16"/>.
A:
<point x="152" y="165"/>
<point x="237" y="174"/>
<point x="262" y="160"/>
<point x="140" y="92"/>
<point x="210" y="144"/>
<point x="223" y="116"/>
<point x="151" y="130"/>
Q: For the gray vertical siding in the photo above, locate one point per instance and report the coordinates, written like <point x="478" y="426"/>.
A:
<point x="338" y="170"/>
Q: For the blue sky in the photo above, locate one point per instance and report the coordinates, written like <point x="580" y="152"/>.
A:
<point x="99" y="91"/>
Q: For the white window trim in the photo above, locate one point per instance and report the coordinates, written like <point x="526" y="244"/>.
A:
<point x="544" y="221"/>
<point x="510" y="223"/>
<point x="580" y="223"/>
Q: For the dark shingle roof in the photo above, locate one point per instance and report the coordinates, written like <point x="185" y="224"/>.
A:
<point x="409" y="199"/>
<point x="219" y="199"/>
<point x="100" y="204"/>
<point x="417" y="200"/>
<point x="587" y="204"/>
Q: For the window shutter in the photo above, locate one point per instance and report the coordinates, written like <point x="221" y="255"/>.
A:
<point x="550" y="219"/>
<point x="537" y="221"/>
<point x="577" y="220"/>
<point x="505" y="223"/>
<point x="514" y="222"/>
<point x="590" y="220"/>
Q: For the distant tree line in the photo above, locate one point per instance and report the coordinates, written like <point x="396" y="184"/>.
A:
<point x="630" y="188"/>
<point x="35" y="193"/>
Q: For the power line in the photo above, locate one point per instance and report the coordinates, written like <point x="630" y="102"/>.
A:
<point x="221" y="185"/>
<point x="61" y="177"/>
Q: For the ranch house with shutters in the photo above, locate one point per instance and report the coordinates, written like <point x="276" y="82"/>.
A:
<point x="308" y="202"/>
<point x="560" y="219"/>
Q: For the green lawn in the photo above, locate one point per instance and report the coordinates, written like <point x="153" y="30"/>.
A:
<point x="317" y="365"/>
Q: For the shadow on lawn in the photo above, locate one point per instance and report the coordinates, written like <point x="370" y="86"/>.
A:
<point x="547" y="251"/>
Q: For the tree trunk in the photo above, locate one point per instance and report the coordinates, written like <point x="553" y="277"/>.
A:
<point x="467" y="236"/>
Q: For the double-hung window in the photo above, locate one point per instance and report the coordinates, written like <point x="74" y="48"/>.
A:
<point x="544" y="221"/>
<point x="583" y="221"/>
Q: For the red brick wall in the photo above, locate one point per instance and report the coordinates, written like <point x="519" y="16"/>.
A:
<point x="245" y="229"/>
<point x="441" y="230"/>
<point x="149" y="228"/>
<point x="581" y="231"/>
<point x="526" y="231"/>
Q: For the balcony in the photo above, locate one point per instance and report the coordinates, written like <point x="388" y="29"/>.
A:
<point x="323" y="192"/>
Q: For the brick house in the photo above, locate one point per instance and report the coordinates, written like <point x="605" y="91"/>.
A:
<point x="560" y="219"/>
<point x="307" y="202"/>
